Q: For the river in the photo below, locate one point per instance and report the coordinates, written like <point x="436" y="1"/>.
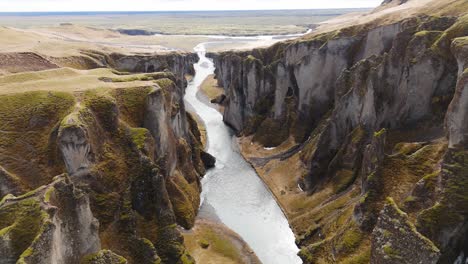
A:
<point x="232" y="191"/>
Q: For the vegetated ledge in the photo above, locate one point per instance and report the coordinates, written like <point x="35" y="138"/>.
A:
<point x="134" y="165"/>
<point x="321" y="103"/>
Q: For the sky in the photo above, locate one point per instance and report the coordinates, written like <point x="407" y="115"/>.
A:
<point x="170" y="5"/>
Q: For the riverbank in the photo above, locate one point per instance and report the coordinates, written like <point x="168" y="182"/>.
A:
<point x="277" y="175"/>
<point x="281" y="173"/>
<point x="212" y="242"/>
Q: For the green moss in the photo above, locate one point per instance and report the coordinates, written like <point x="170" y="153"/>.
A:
<point x="27" y="253"/>
<point x="350" y="240"/>
<point x="439" y="217"/>
<point x="5" y="230"/>
<point x="184" y="199"/>
<point x="131" y="103"/>
<point x="186" y="259"/>
<point x="27" y="122"/>
<point x="362" y="258"/>
<point x="6" y="197"/>
<point x="103" y="257"/>
<point x="410" y="199"/>
<point x="307" y="254"/>
<point x="220" y="244"/>
<point x="139" y="136"/>
<point x="342" y="180"/>
<point x="357" y="135"/>
<point x="23" y="220"/>
<point x="18" y="110"/>
<point x="165" y="84"/>
<point x="459" y="29"/>
<point x="105" y="108"/>
<point x="430" y="180"/>
<point x="406" y="148"/>
<point x="48" y="194"/>
<point x="308" y="234"/>
<point x="203" y="243"/>
<point x="392" y="253"/>
<point x="380" y="133"/>
<point x="392" y="203"/>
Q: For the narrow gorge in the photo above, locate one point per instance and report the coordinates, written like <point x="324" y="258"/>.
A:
<point x="347" y="144"/>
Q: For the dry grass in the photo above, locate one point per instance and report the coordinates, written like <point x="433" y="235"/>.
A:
<point x="210" y="88"/>
<point x="220" y="22"/>
<point x="222" y="245"/>
<point x="62" y="79"/>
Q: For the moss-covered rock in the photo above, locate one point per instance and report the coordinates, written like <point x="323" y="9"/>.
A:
<point x="395" y="239"/>
<point x="445" y="222"/>
<point x="371" y="172"/>
<point x="32" y="227"/>
<point x="104" y="257"/>
<point x="28" y="129"/>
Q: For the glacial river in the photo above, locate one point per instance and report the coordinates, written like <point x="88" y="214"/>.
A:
<point x="232" y="191"/>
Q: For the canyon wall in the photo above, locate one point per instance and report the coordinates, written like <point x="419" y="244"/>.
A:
<point x="346" y="98"/>
<point x="132" y="163"/>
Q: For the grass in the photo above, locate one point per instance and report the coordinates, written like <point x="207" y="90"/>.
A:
<point x="27" y="122"/>
<point x="210" y="88"/>
<point x="213" y="243"/>
<point x="64" y="80"/>
<point x="220" y="22"/>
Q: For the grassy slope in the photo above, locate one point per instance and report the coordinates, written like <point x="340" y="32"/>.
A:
<point x="63" y="79"/>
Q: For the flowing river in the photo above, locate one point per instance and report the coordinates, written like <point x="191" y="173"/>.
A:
<point x="232" y="191"/>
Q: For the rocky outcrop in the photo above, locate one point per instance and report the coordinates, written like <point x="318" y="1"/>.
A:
<point x="134" y="163"/>
<point x="53" y="224"/>
<point x="180" y="64"/>
<point x="365" y="211"/>
<point x="457" y="125"/>
<point x="74" y="145"/>
<point x="395" y="240"/>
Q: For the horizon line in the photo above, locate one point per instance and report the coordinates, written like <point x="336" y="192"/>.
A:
<point x="195" y="10"/>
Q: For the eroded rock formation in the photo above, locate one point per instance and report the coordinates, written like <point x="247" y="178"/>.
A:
<point x="133" y="162"/>
<point x="365" y="106"/>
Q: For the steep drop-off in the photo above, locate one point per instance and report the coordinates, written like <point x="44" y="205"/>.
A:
<point x="129" y="165"/>
<point x="357" y="115"/>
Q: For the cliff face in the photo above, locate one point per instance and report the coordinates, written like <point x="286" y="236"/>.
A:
<point x="333" y="94"/>
<point x="179" y="64"/>
<point x="132" y="158"/>
<point x="53" y="224"/>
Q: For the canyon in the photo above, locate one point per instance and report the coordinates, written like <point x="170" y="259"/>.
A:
<point x="348" y="144"/>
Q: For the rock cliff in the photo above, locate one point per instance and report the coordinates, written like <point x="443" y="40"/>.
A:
<point x="366" y="107"/>
<point x="132" y="163"/>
